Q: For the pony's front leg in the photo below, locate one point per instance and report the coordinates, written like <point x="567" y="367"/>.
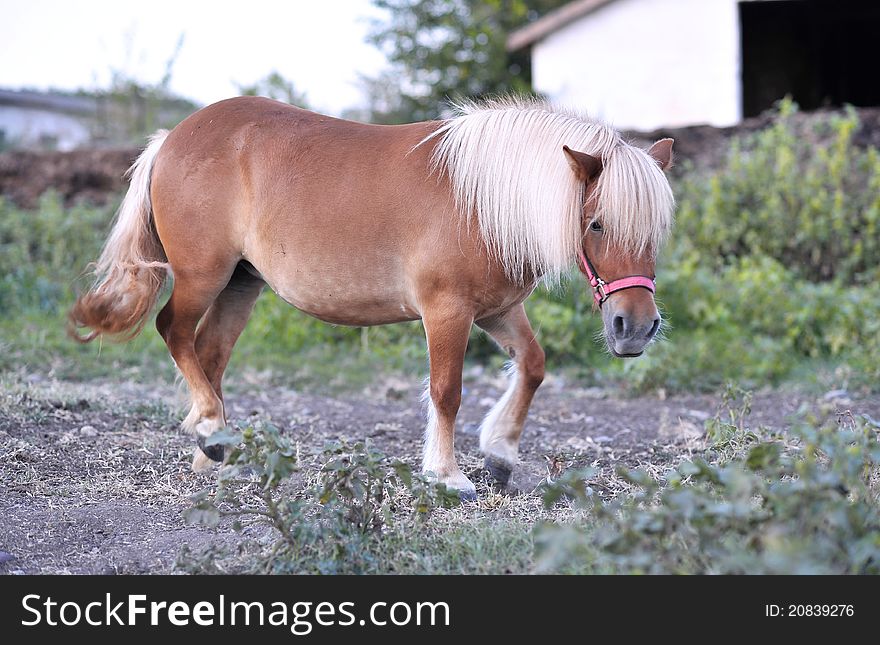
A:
<point x="447" y="330"/>
<point x="502" y="427"/>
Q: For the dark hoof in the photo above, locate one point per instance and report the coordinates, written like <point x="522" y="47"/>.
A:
<point x="499" y="471"/>
<point x="467" y="495"/>
<point x="214" y="452"/>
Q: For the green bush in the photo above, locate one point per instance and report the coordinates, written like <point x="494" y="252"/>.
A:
<point x="774" y="260"/>
<point x="798" y="191"/>
<point x="804" y="502"/>
<point x="754" y="320"/>
<point x="43" y="252"/>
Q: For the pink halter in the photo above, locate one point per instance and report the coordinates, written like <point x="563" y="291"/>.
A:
<point x="602" y="289"/>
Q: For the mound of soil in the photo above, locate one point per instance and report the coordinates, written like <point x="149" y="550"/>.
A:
<point x="91" y="176"/>
<point x="705" y="146"/>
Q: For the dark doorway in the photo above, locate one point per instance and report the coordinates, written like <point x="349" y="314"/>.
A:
<point x="822" y="53"/>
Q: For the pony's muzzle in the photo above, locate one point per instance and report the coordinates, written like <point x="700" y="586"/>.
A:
<point x="629" y="327"/>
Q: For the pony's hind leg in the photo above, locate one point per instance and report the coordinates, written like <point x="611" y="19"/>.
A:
<point x="193" y="294"/>
<point x="501" y="429"/>
<point x="447" y="332"/>
<point x="223" y="324"/>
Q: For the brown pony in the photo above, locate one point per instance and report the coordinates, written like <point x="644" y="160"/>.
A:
<point x="451" y="222"/>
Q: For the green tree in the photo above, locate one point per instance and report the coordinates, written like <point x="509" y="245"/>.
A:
<point x="442" y="49"/>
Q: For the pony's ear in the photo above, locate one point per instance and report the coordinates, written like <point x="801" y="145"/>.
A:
<point x="662" y="153"/>
<point x="586" y="167"/>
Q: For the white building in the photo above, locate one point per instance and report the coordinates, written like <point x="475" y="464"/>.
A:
<point x="58" y="121"/>
<point x="645" y="64"/>
<point x="44" y="120"/>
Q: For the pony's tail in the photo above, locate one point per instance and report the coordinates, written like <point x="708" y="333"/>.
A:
<point x="132" y="268"/>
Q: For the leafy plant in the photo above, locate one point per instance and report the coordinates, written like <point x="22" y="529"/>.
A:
<point x="728" y="426"/>
<point x="333" y="523"/>
<point x="774" y="259"/>
<point x="799" y="191"/>
<point x="805" y="502"/>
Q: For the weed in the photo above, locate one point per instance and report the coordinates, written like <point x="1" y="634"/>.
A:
<point x="331" y="525"/>
<point x="805" y="502"/>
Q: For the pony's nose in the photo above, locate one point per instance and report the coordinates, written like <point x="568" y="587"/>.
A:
<point x="624" y="328"/>
<point x="619" y="326"/>
<point x="655" y="325"/>
<point x="628" y="335"/>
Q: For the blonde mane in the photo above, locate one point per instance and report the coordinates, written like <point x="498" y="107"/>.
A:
<point x="505" y="162"/>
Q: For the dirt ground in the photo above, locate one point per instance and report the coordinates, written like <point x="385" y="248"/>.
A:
<point x="95" y="476"/>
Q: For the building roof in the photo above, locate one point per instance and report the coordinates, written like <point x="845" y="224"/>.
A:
<point x="553" y="21"/>
<point x="53" y="101"/>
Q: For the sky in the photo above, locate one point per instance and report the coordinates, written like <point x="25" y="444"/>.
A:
<point x="72" y="44"/>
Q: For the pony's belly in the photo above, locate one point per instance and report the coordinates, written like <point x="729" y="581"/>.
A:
<point x="366" y="319"/>
<point x="356" y="314"/>
<point x="361" y="304"/>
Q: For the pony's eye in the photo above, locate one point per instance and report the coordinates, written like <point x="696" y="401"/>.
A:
<point x="595" y="225"/>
